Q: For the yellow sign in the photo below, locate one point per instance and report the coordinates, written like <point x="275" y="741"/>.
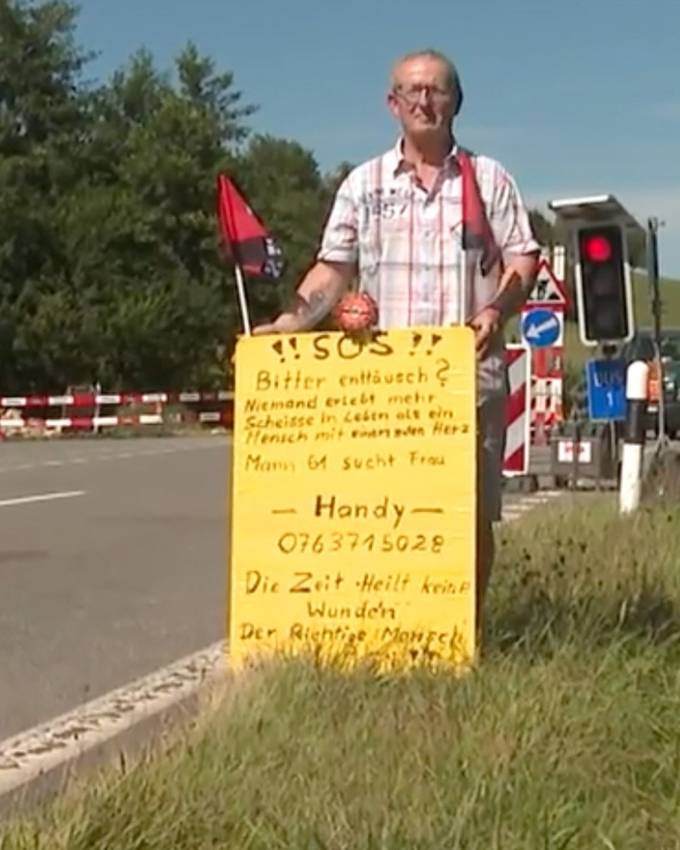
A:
<point x="353" y="509"/>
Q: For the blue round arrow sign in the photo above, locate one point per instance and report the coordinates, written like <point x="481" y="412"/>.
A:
<point x="541" y="327"/>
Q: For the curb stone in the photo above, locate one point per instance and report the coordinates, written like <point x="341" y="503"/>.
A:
<point x="36" y="764"/>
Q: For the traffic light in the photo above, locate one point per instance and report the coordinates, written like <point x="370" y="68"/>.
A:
<point x="603" y="285"/>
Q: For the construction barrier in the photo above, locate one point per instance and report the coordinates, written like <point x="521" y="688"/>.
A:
<point x="517" y="411"/>
<point x="93" y="411"/>
<point x="547" y="404"/>
<point x="80" y="411"/>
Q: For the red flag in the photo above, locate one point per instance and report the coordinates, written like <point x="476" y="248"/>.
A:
<point x="477" y="233"/>
<point x="251" y="246"/>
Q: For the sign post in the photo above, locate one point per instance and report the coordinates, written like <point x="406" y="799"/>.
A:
<point x="542" y="328"/>
<point x="655" y="299"/>
<point x="354" y="497"/>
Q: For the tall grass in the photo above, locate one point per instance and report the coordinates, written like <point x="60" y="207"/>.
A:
<point x="566" y="735"/>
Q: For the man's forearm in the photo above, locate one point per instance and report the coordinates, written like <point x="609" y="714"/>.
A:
<point x="318" y="293"/>
<point x="312" y="305"/>
<point x="515" y="286"/>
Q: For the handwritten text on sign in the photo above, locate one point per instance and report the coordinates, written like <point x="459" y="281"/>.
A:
<point x="353" y="526"/>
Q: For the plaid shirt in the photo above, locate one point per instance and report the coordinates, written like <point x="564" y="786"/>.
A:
<point x="407" y="243"/>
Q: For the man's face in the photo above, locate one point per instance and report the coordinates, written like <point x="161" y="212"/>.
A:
<point x="422" y="99"/>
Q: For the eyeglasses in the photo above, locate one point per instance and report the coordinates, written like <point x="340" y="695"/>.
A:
<point x="413" y="95"/>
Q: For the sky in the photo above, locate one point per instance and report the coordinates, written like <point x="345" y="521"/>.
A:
<point x="576" y="97"/>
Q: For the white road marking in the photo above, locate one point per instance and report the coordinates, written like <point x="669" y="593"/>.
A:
<point x="516" y="509"/>
<point x="542" y="498"/>
<point x="43" y="497"/>
<point x="126" y="455"/>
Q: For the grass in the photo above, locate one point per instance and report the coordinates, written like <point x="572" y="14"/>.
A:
<point x="565" y="736"/>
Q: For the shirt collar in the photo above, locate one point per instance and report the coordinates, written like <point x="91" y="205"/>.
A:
<point x="399" y="165"/>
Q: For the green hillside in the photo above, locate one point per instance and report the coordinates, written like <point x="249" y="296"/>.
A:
<point x="670" y="297"/>
<point x="576" y="353"/>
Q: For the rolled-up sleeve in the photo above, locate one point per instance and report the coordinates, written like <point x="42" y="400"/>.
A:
<point x="509" y="218"/>
<point x="339" y="242"/>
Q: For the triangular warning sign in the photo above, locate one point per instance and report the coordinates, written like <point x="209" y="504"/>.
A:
<point x="548" y="288"/>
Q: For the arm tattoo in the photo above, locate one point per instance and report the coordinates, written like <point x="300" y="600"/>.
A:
<point x="311" y="310"/>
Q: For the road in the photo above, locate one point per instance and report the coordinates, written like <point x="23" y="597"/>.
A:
<point x="113" y="563"/>
<point x="122" y="573"/>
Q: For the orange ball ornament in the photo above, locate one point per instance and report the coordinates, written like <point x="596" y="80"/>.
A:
<point x="356" y="311"/>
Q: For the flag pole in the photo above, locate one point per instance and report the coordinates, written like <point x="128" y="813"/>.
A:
<point x="243" y="304"/>
<point x="240" y="285"/>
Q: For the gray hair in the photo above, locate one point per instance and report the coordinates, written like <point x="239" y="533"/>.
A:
<point x="452" y="76"/>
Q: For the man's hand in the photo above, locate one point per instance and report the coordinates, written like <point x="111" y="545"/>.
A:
<point x="302" y="316"/>
<point x="513" y="289"/>
<point x="285" y="323"/>
<point x="486" y="324"/>
<point x="515" y="284"/>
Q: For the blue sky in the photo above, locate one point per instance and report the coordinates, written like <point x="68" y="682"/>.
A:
<point x="573" y="97"/>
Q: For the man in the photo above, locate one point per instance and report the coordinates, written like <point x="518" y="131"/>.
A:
<point x="437" y="236"/>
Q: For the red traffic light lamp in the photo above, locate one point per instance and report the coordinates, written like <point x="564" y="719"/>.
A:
<point x="597" y="249"/>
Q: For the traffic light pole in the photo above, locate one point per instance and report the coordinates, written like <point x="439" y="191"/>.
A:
<point x="655" y="295"/>
<point x="608" y="353"/>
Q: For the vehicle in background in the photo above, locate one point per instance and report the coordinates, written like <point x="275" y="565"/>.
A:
<point x="641" y="347"/>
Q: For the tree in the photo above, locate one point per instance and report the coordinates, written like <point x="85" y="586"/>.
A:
<point x="202" y="86"/>
<point x="637" y="248"/>
<point x="284" y="185"/>
<point x="542" y="229"/>
<point x="154" y="275"/>
<point x="108" y="262"/>
<point x="43" y="122"/>
<point x="110" y="268"/>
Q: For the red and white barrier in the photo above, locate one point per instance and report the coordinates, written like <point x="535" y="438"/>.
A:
<point x="546" y="405"/>
<point x="518" y="411"/>
<point x="89" y="399"/>
<point x="89" y="423"/>
<point x="91" y="411"/>
<point x="14" y="417"/>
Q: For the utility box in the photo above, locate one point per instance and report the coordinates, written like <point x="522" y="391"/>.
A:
<point x="579" y="452"/>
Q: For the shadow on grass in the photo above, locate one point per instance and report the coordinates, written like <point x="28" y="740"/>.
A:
<point x="539" y="620"/>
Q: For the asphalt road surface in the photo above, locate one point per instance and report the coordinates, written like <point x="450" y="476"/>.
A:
<point x="113" y="562"/>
